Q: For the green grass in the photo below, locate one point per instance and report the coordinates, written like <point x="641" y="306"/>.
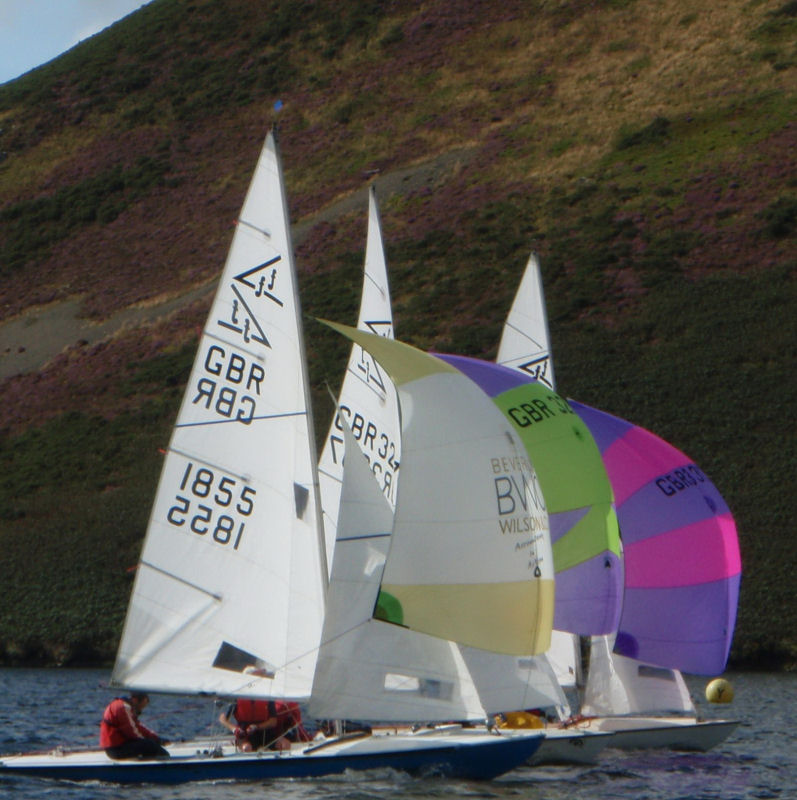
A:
<point x="667" y="256"/>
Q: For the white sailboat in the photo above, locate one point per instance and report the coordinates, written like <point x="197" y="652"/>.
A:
<point x="641" y="704"/>
<point x="230" y="595"/>
<point x="440" y="681"/>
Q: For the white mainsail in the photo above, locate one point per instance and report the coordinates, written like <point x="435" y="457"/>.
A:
<point x="232" y="573"/>
<point x="367" y="397"/>
<point x="525" y="341"/>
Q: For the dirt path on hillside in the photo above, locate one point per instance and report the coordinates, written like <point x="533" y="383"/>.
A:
<point x="30" y="340"/>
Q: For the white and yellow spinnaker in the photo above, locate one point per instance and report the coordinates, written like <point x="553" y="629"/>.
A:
<point x="470" y="555"/>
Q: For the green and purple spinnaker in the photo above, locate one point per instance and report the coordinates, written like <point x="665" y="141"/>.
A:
<point x="680" y="547"/>
<point x="577" y="491"/>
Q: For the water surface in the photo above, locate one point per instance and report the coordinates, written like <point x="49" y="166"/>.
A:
<point x="42" y="709"/>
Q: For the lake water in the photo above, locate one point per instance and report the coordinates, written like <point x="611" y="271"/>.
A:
<point x="40" y="709"/>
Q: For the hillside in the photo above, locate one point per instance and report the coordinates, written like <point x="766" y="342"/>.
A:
<point x="645" y="148"/>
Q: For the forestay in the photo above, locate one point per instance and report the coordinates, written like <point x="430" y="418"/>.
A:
<point x="232" y="571"/>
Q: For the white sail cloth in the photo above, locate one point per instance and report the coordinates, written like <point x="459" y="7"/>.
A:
<point x="231" y="574"/>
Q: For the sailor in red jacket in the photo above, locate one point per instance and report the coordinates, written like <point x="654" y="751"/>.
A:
<point x="121" y="733"/>
<point x="264" y="723"/>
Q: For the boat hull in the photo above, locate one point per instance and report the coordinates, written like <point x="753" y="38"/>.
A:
<point x="466" y="757"/>
<point x="674" y="733"/>
<point x="562" y="746"/>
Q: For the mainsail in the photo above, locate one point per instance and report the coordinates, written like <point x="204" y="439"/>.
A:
<point x="367" y="400"/>
<point x="525" y="339"/>
<point x="232" y="573"/>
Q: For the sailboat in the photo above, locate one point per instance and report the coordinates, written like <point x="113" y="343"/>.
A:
<point x="643" y="704"/>
<point x="476" y="684"/>
<point x="678" y="613"/>
<point x="230" y="596"/>
<point x="367" y="403"/>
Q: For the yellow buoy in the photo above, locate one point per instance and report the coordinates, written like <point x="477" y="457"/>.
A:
<point x="719" y="691"/>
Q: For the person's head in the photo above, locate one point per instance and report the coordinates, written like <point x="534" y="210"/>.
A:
<point x="139" y="701"/>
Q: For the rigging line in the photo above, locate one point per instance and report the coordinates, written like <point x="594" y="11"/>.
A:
<point x="364" y="536"/>
<point x="251" y="419"/>
<point x="522" y="333"/>
<point x="299" y="657"/>
<point x="330" y="475"/>
<point x="177" y="578"/>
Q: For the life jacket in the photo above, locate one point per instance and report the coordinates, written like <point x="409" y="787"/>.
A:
<point x="250" y="712"/>
<point x="288" y="716"/>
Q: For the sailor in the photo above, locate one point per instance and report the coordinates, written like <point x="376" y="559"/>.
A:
<point x="264" y="723"/>
<point x="123" y="736"/>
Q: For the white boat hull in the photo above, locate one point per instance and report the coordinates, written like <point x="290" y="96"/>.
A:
<point x="559" y="745"/>
<point x="675" y="733"/>
<point x="563" y="746"/>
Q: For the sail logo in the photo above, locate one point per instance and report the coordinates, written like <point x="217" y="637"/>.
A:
<point x="680" y="479"/>
<point x="231" y="384"/>
<point x="263" y="279"/>
<point x="381" y="327"/>
<point x="260" y="282"/>
<point x="369" y="372"/>
<point x="367" y="368"/>
<point x="539" y="369"/>
<point x="519" y="500"/>
<point x="377" y="446"/>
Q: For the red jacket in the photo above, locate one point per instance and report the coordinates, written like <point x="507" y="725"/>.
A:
<point x="120" y="724"/>
<point x="288" y="716"/>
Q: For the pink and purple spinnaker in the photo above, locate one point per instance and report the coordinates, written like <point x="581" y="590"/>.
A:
<point x="680" y="548"/>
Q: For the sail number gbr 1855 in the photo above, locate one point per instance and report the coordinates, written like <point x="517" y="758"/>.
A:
<point x="212" y="504"/>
